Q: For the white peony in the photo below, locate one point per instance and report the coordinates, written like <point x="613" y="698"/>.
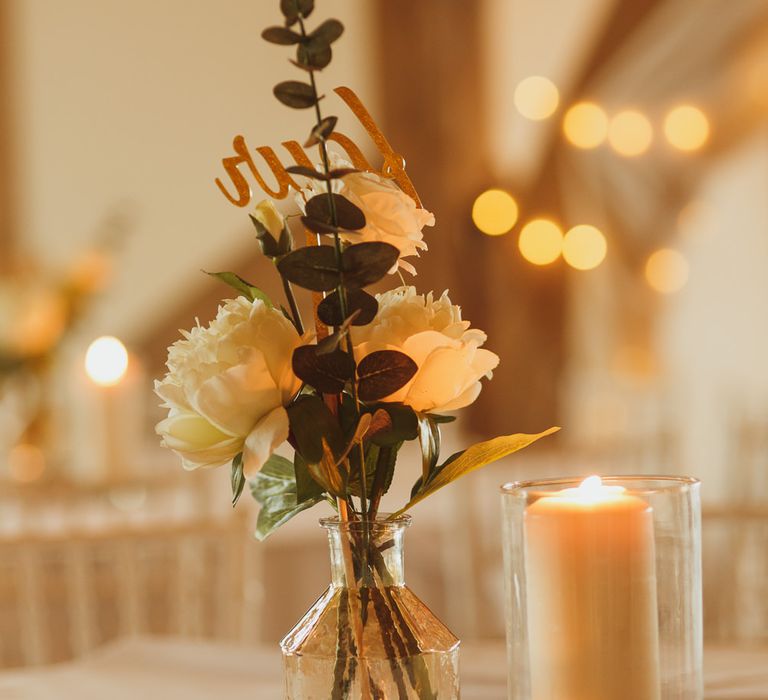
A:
<point x="391" y="216"/>
<point x="446" y="350"/>
<point x="227" y="386"/>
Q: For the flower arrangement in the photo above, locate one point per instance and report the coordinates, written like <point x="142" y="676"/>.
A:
<point x="373" y="372"/>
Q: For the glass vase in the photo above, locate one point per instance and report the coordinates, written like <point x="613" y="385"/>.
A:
<point x="368" y="636"/>
<point x="603" y="588"/>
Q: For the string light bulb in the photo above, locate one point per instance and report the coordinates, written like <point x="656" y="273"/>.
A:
<point x="541" y="241"/>
<point x="536" y="97"/>
<point x="494" y="212"/>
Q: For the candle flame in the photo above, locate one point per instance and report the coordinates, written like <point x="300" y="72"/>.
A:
<point x="593" y="489"/>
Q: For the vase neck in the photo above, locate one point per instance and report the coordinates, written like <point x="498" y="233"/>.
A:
<point x="373" y="550"/>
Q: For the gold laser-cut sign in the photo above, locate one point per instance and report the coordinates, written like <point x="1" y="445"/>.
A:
<point x="392" y="167"/>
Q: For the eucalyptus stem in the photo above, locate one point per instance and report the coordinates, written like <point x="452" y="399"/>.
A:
<point x="340" y="289"/>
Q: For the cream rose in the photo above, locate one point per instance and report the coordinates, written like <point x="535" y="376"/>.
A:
<point x="227" y="386"/>
<point x="266" y="213"/>
<point x="447" y="351"/>
<point x="391" y="216"/>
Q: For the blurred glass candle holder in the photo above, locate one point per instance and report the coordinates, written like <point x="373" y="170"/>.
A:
<point x="603" y="588"/>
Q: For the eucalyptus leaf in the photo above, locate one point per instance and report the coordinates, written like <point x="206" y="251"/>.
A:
<point x="245" y="288"/>
<point x="292" y="9"/>
<point x="312" y="267"/>
<point x="293" y="93"/>
<point x="329" y="31"/>
<point x="329" y="309"/>
<point x="315" y="54"/>
<point x="326" y="372"/>
<point x="348" y="216"/>
<point x="382" y="373"/>
<point x="319" y="226"/>
<point x="238" y="478"/>
<point x="366" y="263"/>
<point x="342" y="172"/>
<point x="304" y="171"/>
<point x="471" y="459"/>
<point x="321" y="131"/>
<point x="274" y="488"/>
<point x="280" y="35"/>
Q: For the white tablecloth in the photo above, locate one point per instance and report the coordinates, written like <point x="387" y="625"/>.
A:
<point x="157" y="669"/>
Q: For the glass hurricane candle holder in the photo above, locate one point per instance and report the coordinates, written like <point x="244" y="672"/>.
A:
<point x="603" y="588"/>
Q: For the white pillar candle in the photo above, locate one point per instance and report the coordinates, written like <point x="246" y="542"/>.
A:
<point x="591" y="582"/>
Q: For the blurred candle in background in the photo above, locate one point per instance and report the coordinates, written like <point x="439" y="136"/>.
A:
<point x="592" y="614"/>
<point x="109" y="421"/>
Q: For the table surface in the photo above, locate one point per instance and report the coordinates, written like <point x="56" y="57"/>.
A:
<point x="148" y="668"/>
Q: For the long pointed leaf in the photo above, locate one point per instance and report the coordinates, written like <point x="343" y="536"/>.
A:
<point x="473" y="458"/>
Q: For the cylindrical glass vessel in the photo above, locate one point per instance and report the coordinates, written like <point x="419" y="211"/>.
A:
<point x="603" y="588"/>
<point x="368" y="636"/>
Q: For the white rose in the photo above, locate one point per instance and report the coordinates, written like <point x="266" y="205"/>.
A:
<point x="269" y="217"/>
<point x="391" y="216"/>
<point x="447" y="351"/>
<point x="227" y="386"/>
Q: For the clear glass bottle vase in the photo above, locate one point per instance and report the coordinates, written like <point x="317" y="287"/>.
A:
<point x="368" y="636"/>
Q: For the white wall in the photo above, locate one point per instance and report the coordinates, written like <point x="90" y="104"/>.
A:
<point x="132" y="105"/>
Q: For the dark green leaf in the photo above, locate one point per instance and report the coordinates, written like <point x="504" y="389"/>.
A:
<point x="245" y="288"/>
<point x="329" y="310"/>
<point x="429" y="441"/>
<point x="366" y="263"/>
<point x="280" y="35"/>
<point x="328" y="373"/>
<point x="329" y="31"/>
<point x="267" y="242"/>
<point x="437" y="418"/>
<point x="405" y="425"/>
<point x="311" y="267"/>
<point x="348" y="216"/>
<point x="382" y="373"/>
<point x="306" y="486"/>
<point x="238" y="478"/>
<point x="293" y="93"/>
<point x="310" y="420"/>
<point x="274" y="488"/>
<point x="321" y="132"/>
<point x="470" y="459"/>
<point x="315" y="54"/>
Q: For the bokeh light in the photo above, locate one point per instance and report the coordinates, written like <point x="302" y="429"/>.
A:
<point x="585" y="125"/>
<point x="106" y="360"/>
<point x="494" y="212"/>
<point x="541" y="241"/>
<point x="686" y="128"/>
<point x="26" y="463"/>
<point x="630" y="133"/>
<point x="584" y="247"/>
<point x="666" y="270"/>
<point x="536" y="97"/>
